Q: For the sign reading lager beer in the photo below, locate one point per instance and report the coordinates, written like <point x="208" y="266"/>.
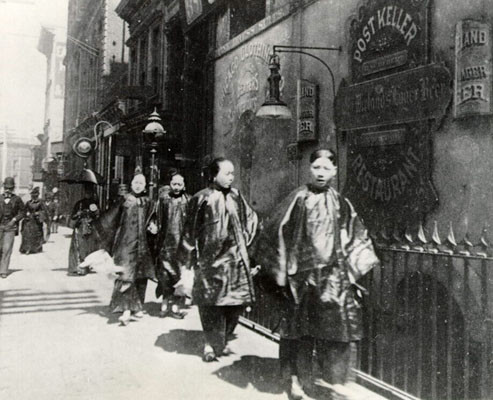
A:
<point x="473" y="70"/>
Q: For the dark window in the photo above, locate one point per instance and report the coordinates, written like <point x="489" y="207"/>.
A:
<point x="156" y="57"/>
<point x="245" y="13"/>
<point x="143" y="62"/>
<point x="133" y="66"/>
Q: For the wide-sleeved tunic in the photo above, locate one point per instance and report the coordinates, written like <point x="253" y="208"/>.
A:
<point x="125" y="231"/>
<point x="314" y="247"/>
<point x="171" y="213"/>
<point x="219" y="229"/>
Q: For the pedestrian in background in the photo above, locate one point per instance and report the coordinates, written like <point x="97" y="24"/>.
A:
<point x="11" y="212"/>
<point x="219" y="229"/>
<point x="55" y="214"/>
<point x="127" y="225"/>
<point x="35" y="214"/>
<point x="48" y="203"/>
<point x="172" y="208"/>
<point x="85" y="236"/>
<point x="314" y="249"/>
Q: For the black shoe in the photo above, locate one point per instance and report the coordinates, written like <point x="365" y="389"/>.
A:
<point x="4" y="276"/>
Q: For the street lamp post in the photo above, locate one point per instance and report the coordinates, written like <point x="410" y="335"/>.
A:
<point x="274" y="107"/>
<point x="156" y="132"/>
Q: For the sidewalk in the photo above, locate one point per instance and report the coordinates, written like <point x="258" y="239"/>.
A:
<point x="57" y="341"/>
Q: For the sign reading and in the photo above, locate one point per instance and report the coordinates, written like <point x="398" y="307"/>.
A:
<point x="473" y="68"/>
<point x="307" y="111"/>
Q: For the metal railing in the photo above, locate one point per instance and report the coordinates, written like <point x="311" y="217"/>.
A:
<point x="428" y="316"/>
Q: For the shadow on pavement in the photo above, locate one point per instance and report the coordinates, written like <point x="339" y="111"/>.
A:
<point x="12" y="271"/>
<point x="104" y="312"/>
<point x="262" y="373"/>
<point x="182" y="341"/>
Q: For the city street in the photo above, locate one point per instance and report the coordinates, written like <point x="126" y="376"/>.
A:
<point x="58" y="341"/>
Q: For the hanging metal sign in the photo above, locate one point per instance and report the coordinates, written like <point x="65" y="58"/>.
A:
<point x="473" y="69"/>
<point x="388" y="35"/>
<point x="412" y="95"/>
<point x="307" y="100"/>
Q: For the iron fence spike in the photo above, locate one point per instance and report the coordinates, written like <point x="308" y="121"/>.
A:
<point x="408" y="235"/>
<point x="421" y="234"/>
<point x="435" y="237"/>
<point x="396" y="234"/>
<point x="484" y="242"/>
<point x="451" y="236"/>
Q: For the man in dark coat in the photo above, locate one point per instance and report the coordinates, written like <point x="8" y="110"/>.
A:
<point x="11" y="212"/>
<point x="219" y="229"/>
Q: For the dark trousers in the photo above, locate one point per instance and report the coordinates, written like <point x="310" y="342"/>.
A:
<point x="219" y="322"/>
<point x="335" y="360"/>
<point x="141" y="285"/>
<point x="6" y="244"/>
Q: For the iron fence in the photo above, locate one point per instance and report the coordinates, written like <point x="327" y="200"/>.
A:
<point x="428" y="316"/>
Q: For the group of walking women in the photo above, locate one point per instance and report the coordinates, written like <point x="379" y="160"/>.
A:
<point x="310" y="253"/>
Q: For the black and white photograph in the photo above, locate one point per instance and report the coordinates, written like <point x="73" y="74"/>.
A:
<point x="246" y="199"/>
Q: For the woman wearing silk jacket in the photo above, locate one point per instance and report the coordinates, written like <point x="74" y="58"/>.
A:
<point x="126" y="226"/>
<point x="219" y="229"/>
<point x="313" y="250"/>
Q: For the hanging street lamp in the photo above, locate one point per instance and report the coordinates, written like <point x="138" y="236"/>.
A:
<point x="155" y="131"/>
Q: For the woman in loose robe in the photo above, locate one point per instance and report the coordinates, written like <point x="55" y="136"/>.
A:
<point x="314" y="248"/>
<point x="219" y="229"/>
<point x="32" y="224"/>
<point x="85" y="236"/>
<point x="126" y="226"/>
<point x="172" y="209"/>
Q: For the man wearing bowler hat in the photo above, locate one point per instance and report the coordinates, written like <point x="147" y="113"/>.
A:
<point x="11" y="212"/>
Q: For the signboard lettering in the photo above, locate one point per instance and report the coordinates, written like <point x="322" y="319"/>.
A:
<point x="307" y="110"/>
<point x="473" y="58"/>
<point x="387" y="35"/>
<point x="416" y="94"/>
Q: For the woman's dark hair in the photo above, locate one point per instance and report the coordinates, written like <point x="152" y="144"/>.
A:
<point x="174" y="173"/>
<point x="214" y="167"/>
<point x="327" y="153"/>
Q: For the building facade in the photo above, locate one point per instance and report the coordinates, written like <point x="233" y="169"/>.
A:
<point x="95" y="64"/>
<point x="403" y="94"/>
<point x="53" y="45"/>
<point x="404" y="98"/>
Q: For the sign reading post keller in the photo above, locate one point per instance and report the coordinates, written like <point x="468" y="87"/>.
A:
<point x="473" y="69"/>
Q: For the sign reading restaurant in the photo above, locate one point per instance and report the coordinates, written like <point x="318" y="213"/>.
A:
<point x="473" y="69"/>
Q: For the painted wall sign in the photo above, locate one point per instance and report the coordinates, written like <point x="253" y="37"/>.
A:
<point x="412" y="95"/>
<point x="242" y="86"/>
<point x="473" y="69"/>
<point x="388" y="34"/>
<point x="307" y="104"/>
